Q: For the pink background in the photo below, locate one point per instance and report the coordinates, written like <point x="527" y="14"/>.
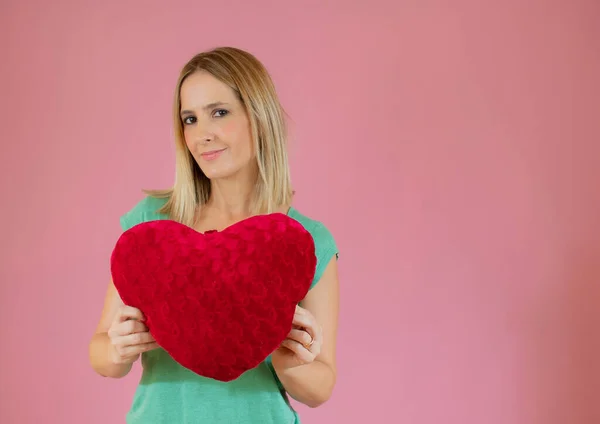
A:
<point x="463" y="146"/>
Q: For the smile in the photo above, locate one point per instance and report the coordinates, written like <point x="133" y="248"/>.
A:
<point x="212" y="155"/>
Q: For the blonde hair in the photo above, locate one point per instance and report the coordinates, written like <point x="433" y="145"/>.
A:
<point x="248" y="77"/>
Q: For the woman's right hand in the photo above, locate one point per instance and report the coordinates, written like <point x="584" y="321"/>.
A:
<point x="129" y="336"/>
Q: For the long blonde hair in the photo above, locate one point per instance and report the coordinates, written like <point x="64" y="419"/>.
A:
<point x="247" y="76"/>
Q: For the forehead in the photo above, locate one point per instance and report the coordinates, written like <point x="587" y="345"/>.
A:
<point x="201" y="88"/>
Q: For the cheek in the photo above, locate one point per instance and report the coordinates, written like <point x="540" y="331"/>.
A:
<point x="238" y="135"/>
<point x="187" y="143"/>
<point x="232" y="130"/>
<point x="187" y="139"/>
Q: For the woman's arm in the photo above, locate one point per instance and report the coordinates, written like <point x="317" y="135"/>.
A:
<point x="100" y="345"/>
<point x="312" y="384"/>
<point x="120" y="337"/>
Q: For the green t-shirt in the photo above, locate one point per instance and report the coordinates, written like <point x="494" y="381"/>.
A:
<point x="171" y="394"/>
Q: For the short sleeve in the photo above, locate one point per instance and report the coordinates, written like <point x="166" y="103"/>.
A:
<point x="145" y="210"/>
<point x="130" y="219"/>
<point x="325" y="249"/>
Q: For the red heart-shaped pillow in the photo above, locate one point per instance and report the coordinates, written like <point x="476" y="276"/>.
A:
<point x="220" y="302"/>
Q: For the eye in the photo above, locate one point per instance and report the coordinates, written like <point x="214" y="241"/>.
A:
<point x="221" y="113"/>
<point x="189" y="120"/>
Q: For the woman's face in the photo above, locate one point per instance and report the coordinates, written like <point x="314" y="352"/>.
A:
<point x="215" y="126"/>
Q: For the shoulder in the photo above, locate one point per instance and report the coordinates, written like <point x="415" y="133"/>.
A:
<point x="146" y="209"/>
<point x="325" y="245"/>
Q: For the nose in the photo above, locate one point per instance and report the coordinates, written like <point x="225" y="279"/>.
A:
<point x="202" y="133"/>
<point x="207" y="138"/>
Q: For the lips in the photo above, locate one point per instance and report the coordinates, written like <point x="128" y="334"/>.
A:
<point x="211" y="155"/>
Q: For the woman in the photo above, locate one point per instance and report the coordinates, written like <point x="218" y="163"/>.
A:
<point x="231" y="163"/>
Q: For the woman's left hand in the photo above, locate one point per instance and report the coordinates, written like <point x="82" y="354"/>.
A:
<point x="303" y="343"/>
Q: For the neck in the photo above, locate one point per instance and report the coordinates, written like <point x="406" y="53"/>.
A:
<point x="232" y="198"/>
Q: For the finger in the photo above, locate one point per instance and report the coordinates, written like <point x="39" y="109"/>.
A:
<point x="298" y="314"/>
<point x="306" y="322"/>
<point x="301" y="336"/>
<point x="129" y="312"/>
<point x="303" y="354"/>
<point x="137" y="349"/>
<point x="130" y="327"/>
<point x="135" y="339"/>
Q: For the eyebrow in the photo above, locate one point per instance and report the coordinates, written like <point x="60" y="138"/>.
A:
<point x="207" y="107"/>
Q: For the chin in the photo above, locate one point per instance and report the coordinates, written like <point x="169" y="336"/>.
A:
<point x="216" y="171"/>
<point x="216" y="174"/>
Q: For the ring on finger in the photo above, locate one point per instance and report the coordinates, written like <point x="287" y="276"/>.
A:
<point x="309" y="344"/>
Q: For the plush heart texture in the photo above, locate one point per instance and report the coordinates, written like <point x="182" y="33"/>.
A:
<point x="218" y="302"/>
